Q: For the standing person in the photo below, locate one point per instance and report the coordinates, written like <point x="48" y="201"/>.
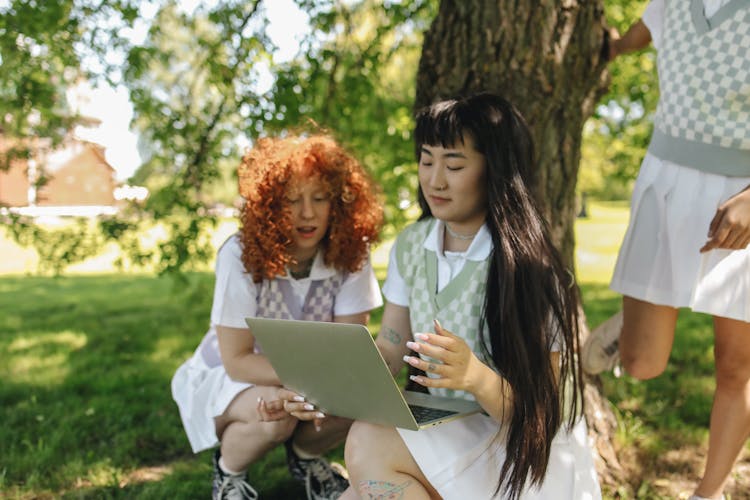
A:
<point x="302" y="252"/>
<point x="686" y="244"/>
<point x="477" y="291"/>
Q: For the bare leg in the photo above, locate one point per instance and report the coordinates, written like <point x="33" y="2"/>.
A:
<point x="380" y="466"/>
<point x="647" y="337"/>
<point x="332" y="432"/>
<point x="244" y="438"/>
<point x="730" y="415"/>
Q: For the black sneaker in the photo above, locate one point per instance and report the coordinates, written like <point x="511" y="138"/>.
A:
<point x="323" y="480"/>
<point x="230" y="486"/>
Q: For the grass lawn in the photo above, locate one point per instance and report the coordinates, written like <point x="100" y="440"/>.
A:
<point x="87" y="412"/>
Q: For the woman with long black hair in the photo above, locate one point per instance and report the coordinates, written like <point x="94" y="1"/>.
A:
<point x="478" y="299"/>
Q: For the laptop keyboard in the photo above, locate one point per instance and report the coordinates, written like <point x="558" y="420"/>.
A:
<point x="425" y="414"/>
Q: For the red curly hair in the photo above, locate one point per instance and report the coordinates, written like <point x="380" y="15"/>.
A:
<point x="264" y="175"/>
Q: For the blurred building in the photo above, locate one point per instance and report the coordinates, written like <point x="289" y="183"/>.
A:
<point x="76" y="180"/>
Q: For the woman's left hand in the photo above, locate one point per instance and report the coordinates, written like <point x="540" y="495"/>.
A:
<point x="730" y="227"/>
<point x="454" y="363"/>
<point x="289" y="403"/>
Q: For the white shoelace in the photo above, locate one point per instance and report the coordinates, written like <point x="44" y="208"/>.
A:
<point x="236" y="488"/>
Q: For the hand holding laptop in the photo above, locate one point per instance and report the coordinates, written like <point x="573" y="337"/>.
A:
<point x="339" y="369"/>
<point x="451" y="359"/>
<point x="289" y="403"/>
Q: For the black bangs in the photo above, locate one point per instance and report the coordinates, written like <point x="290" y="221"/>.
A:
<point x="440" y="124"/>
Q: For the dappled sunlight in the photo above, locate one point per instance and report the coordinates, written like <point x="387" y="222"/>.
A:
<point x="104" y="474"/>
<point x="166" y="348"/>
<point x="42" y="358"/>
<point x="598" y="239"/>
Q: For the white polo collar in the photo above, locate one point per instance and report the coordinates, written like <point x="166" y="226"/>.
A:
<point x="478" y="250"/>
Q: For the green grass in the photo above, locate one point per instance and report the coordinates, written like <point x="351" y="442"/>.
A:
<point x="86" y="360"/>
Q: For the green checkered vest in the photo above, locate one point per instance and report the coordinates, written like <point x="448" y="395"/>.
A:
<point x="458" y="306"/>
<point x="703" y="117"/>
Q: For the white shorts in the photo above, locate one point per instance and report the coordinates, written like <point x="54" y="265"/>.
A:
<point x="659" y="260"/>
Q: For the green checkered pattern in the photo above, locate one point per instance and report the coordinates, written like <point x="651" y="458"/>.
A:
<point x="458" y="306"/>
<point x="704" y="77"/>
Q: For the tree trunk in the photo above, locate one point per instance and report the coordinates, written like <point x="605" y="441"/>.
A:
<point x="546" y="57"/>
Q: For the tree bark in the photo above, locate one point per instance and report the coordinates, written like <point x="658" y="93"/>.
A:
<point x="547" y="58"/>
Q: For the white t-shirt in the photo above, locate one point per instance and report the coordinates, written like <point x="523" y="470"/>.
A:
<point x="654" y="15"/>
<point x="235" y="294"/>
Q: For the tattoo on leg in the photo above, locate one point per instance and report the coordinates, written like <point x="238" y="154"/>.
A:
<point x="382" y="490"/>
<point x="392" y="335"/>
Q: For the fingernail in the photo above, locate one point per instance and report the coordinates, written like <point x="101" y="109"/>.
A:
<point x="408" y="359"/>
<point x="317" y="428"/>
<point x="437" y="323"/>
<point x="415" y="378"/>
<point x="308" y="407"/>
<point x="299" y="399"/>
<point x="412" y="345"/>
<point x="320" y="415"/>
<point x="260" y="399"/>
<point x="421" y="336"/>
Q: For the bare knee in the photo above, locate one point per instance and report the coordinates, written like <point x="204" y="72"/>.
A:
<point x="732" y="373"/>
<point x="358" y="446"/>
<point x="279" y="431"/>
<point x="640" y="367"/>
<point x="647" y="337"/>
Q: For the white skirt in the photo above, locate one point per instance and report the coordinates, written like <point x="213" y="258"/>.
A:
<point x="659" y="260"/>
<point x="462" y="459"/>
<point x="203" y="393"/>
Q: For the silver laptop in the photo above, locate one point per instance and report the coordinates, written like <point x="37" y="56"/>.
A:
<point x="339" y="369"/>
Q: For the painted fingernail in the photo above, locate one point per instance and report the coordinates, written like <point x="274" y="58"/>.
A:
<point x="437" y="323"/>
<point x="299" y="399"/>
<point x="412" y="345"/>
<point x="421" y="336"/>
<point x="415" y="378"/>
<point x="308" y="407"/>
<point x="317" y="428"/>
<point x="410" y="360"/>
<point x="320" y="415"/>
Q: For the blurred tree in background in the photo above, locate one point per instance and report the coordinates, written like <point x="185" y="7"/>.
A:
<point x="195" y="84"/>
<point x="616" y="136"/>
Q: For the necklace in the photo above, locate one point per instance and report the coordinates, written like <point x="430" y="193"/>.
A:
<point x="303" y="271"/>
<point x="459" y="236"/>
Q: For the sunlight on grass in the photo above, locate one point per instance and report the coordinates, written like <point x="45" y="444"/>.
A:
<point x="165" y="349"/>
<point x="598" y="238"/>
<point x="43" y="357"/>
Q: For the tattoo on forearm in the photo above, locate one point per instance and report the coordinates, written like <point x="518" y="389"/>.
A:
<point x="391" y="335"/>
<point x="382" y="490"/>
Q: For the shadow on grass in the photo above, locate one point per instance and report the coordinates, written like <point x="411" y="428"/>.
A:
<point x="85" y="399"/>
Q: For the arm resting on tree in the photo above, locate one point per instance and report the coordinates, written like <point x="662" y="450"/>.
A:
<point x="636" y="38"/>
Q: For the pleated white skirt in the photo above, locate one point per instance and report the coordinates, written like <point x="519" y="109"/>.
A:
<point x="462" y="460"/>
<point x="659" y="260"/>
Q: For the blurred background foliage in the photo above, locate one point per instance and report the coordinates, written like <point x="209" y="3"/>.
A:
<point x="206" y="81"/>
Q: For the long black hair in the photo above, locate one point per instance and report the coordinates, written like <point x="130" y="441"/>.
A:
<point x="530" y="301"/>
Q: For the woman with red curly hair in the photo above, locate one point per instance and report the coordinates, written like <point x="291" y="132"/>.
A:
<point x="302" y="252"/>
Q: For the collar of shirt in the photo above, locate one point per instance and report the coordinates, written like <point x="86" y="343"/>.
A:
<point x="478" y="250"/>
<point x="319" y="270"/>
